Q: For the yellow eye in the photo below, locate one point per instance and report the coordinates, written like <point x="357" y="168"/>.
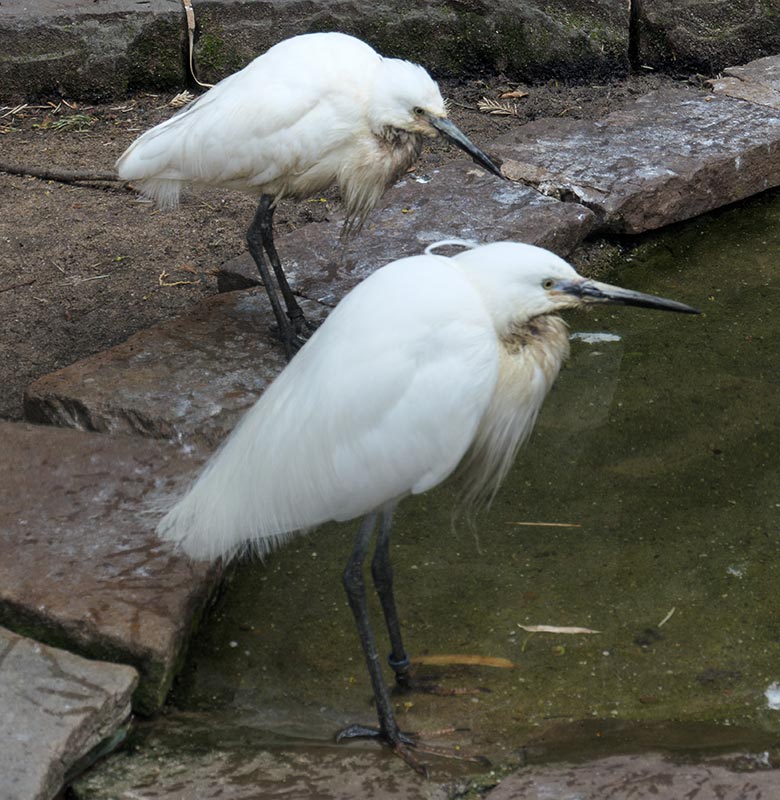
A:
<point x="548" y="283"/>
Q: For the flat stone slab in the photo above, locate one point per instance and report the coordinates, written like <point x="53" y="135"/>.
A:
<point x="80" y="565"/>
<point x="638" y="777"/>
<point x="188" y="379"/>
<point x="56" y="708"/>
<point x="458" y="200"/>
<point x="671" y="155"/>
<point x="757" y="82"/>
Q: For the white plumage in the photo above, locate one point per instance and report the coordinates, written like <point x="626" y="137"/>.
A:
<point x="428" y="360"/>
<point x="314" y="110"/>
<point x="309" y="112"/>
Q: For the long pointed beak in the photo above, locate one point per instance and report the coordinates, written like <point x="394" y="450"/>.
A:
<point x="595" y="292"/>
<point x="458" y="138"/>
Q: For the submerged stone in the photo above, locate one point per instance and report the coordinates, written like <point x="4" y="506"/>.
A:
<point x="80" y="565"/>
<point x="56" y="709"/>
<point x="633" y="777"/>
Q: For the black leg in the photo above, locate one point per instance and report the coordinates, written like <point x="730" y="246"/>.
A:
<point x="265" y="212"/>
<point x="255" y="240"/>
<point x="382" y="573"/>
<point x="356" y="594"/>
<point x="354" y="584"/>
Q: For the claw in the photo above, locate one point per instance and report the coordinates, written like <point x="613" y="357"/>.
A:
<point x="402" y="744"/>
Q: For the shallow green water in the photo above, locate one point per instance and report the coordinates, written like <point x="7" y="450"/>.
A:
<point x="662" y="448"/>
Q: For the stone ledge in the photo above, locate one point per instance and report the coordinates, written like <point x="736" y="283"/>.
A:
<point x="103" y="49"/>
<point x="670" y="156"/>
<point x="80" y="565"/>
<point x="414" y="214"/>
<point x="188" y="379"/>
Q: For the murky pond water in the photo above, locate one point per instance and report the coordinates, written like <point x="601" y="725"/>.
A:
<point x="655" y="468"/>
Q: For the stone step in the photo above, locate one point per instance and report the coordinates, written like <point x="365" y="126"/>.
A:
<point x="188" y="379"/>
<point x="757" y="82"/>
<point x="670" y="156"/>
<point x="57" y="708"/>
<point x="458" y="200"/>
<point x="191" y="378"/>
<point x="80" y="566"/>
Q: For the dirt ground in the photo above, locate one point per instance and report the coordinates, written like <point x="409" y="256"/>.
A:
<point x="84" y="267"/>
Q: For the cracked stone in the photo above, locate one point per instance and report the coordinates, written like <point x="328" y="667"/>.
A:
<point x="56" y="709"/>
<point x="757" y="82"/>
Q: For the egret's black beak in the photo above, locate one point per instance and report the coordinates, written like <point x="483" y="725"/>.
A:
<point x="595" y="292"/>
<point x="458" y="138"/>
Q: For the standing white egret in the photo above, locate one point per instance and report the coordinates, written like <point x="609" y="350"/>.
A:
<point x="432" y="363"/>
<point x="314" y="110"/>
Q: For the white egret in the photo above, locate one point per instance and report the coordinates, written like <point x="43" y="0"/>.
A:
<point x="314" y="110"/>
<point x="431" y="364"/>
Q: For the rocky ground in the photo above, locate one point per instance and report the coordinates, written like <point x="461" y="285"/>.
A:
<point x="86" y="266"/>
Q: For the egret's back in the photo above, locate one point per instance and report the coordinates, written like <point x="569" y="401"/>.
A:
<point x="383" y="401"/>
<point x="267" y="129"/>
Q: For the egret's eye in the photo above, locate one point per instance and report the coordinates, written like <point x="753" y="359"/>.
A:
<point x="419" y="111"/>
<point x="548" y="283"/>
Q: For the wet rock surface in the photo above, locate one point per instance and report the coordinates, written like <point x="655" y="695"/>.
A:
<point x="56" y="708"/>
<point x="638" y="777"/>
<point x="188" y="379"/>
<point x="80" y="566"/>
<point x="673" y="155"/>
<point x="181" y="765"/>
<point x="757" y="82"/>
<point x="415" y="213"/>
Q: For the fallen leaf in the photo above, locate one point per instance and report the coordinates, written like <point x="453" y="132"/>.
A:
<point x="497" y="108"/>
<point x="516" y="93"/>
<point x="465" y="660"/>
<point x="555" y="629"/>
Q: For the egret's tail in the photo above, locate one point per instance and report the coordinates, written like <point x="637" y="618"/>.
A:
<point x="153" y="163"/>
<point x="199" y="526"/>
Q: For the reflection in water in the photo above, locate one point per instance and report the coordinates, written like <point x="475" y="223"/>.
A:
<point x="659" y="447"/>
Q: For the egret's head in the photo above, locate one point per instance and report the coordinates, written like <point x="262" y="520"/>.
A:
<point x="520" y="282"/>
<point x="406" y="98"/>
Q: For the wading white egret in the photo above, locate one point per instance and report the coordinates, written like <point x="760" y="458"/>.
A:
<point x="314" y="110"/>
<point x="432" y="364"/>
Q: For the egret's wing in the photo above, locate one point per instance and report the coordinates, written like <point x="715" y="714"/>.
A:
<point x="383" y="401"/>
<point x="273" y="118"/>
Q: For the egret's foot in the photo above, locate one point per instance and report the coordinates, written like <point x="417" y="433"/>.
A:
<point x="369" y="732"/>
<point x="291" y="341"/>
<point x="403" y="743"/>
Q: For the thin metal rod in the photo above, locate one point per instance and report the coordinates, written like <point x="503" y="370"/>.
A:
<point x="356" y="595"/>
